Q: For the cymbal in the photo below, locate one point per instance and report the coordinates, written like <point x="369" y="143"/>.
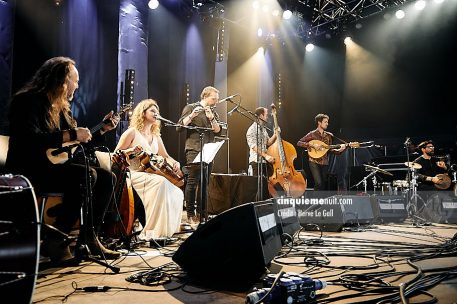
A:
<point x="413" y="165"/>
<point x="378" y="170"/>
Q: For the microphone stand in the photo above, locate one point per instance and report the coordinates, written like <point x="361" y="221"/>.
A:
<point x="254" y="118"/>
<point x="201" y="131"/>
<point x="83" y="251"/>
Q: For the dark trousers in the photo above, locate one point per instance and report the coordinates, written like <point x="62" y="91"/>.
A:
<point x="78" y="189"/>
<point x="191" y="195"/>
<point x="320" y="175"/>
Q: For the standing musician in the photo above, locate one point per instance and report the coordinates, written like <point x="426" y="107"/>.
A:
<point x="40" y="118"/>
<point x="319" y="166"/>
<point x="258" y="146"/>
<point x="163" y="201"/>
<point x="430" y="167"/>
<point x="198" y="114"/>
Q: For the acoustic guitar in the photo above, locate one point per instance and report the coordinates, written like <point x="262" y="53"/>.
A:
<point x="324" y="148"/>
<point x="61" y="155"/>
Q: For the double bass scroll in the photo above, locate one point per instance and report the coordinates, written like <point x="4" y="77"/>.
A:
<point x="285" y="180"/>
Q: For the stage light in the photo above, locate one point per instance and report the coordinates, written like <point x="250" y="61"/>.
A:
<point x="439" y="1"/>
<point x="400" y="14"/>
<point x="265" y="8"/>
<point x="420" y="4"/>
<point x="260" y="50"/>
<point x="255" y="4"/>
<point x="287" y="14"/>
<point x="347" y="40"/>
<point x="309" y="47"/>
<point x="153" y="4"/>
<point x="275" y="13"/>
<point x="259" y="32"/>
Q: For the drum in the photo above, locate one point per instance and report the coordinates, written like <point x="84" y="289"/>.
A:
<point x="400" y="183"/>
<point x="386" y="189"/>
<point x="19" y="238"/>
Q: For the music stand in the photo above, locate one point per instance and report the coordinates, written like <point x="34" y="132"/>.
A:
<point x="201" y="131"/>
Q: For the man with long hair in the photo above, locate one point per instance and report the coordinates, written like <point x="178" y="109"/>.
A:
<point x="40" y="119"/>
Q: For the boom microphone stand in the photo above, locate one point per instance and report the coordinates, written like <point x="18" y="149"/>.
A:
<point x="201" y="131"/>
<point x="254" y="118"/>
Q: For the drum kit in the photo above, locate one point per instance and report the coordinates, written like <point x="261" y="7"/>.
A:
<point x="396" y="187"/>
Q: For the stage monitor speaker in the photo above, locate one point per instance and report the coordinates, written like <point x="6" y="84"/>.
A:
<point x="440" y="207"/>
<point x="231" y="250"/>
<point x="389" y="208"/>
<point x="336" y="212"/>
<point x="286" y="218"/>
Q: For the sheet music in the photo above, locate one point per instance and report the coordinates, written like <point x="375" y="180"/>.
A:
<point x="209" y="152"/>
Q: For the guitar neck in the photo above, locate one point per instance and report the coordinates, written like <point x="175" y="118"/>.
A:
<point x="99" y="126"/>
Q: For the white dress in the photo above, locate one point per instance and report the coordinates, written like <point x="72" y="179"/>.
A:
<point x="163" y="201"/>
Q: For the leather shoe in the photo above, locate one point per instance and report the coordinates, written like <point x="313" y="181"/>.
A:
<point x="97" y="248"/>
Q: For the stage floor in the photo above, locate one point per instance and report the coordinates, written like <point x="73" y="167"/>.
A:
<point x="330" y="257"/>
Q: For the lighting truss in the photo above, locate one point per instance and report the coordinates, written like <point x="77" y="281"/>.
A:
<point x="331" y="15"/>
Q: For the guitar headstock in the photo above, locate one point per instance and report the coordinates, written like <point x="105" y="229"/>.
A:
<point x="125" y="108"/>
<point x="273" y="109"/>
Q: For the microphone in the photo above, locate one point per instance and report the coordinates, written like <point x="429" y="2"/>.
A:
<point x="227" y="98"/>
<point x="232" y="110"/>
<point x="407" y="141"/>
<point x="157" y="116"/>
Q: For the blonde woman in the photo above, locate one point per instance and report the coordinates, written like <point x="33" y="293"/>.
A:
<point x="163" y="201"/>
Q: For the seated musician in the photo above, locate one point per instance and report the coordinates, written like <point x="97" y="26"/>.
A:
<point x="40" y="119"/>
<point x="430" y="167"/>
<point x="163" y="201"/>
<point x="319" y="166"/>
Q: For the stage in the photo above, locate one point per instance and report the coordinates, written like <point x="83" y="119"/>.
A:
<point x="331" y="257"/>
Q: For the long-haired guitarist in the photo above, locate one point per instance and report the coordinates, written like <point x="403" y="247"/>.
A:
<point x="318" y="142"/>
<point x="40" y="119"/>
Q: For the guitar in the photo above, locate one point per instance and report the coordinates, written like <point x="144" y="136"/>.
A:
<point x="324" y="148"/>
<point x="61" y="155"/>
<point x="156" y="164"/>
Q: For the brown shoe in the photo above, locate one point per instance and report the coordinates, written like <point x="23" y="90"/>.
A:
<point x="97" y="248"/>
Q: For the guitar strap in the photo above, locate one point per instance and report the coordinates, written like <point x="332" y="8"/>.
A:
<point x="331" y="135"/>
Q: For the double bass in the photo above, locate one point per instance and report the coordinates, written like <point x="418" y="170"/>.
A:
<point x="285" y="179"/>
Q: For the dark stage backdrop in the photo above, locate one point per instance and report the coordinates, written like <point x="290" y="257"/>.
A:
<point x="6" y="55"/>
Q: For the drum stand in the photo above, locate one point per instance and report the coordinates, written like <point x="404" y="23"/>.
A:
<point x="364" y="181"/>
<point x="413" y="200"/>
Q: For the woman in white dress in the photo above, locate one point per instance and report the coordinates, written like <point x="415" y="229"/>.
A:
<point x="163" y="201"/>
